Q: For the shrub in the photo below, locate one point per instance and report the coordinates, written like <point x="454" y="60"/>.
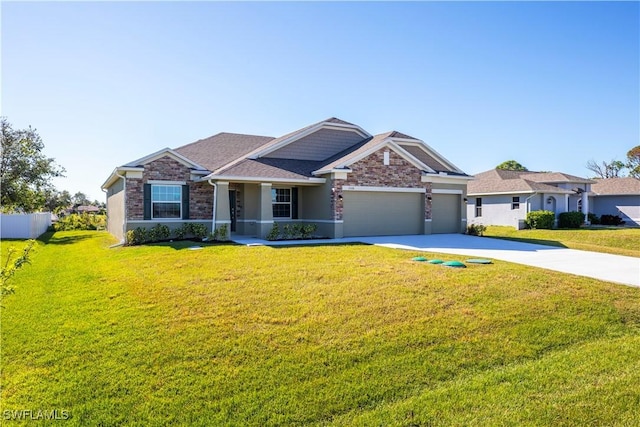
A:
<point x="138" y="236"/>
<point x="476" y="229"/>
<point x="611" y="220"/>
<point x="540" y="220"/>
<point x="593" y="218"/>
<point x="308" y="230"/>
<point x="274" y="233"/>
<point x="222" y="233"/>
<point x="159" y="232"/>
<point x="82" y="221"/>
<point x="570" y="219"/>
<point x="198" y="230"/>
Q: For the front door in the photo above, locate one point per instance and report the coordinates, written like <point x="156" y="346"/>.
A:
<point x="232" y="209"/>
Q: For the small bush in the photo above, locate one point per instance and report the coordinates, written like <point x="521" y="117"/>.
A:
<point x="476" y="229"/>
<point x="138" y="236"/>
<point x="307" y="230"/>
<point x="570" y="219"/>
<point x="222" y="233"/>
<point x="593" y="218"/>
<point x="159" y="232"/>
<point x="274" y="233"/>
<point x="611" y="220"/>
<point x="198" y="230"/>
<point x="540" y="220"/>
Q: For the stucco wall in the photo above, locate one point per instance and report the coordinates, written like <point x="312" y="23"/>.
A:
<point x="496" y="210"/>
<point x="627" y="207"/>
<point x="115" y="209"/>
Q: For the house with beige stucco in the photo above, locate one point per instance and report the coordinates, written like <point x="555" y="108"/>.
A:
<point x="333" y="174"/>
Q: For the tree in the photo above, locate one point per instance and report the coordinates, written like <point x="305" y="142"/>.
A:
<point x="80" y="199"/>
<point x="25" y="172"/>
<point x="633" y="161"/>
<point x="511" y="165"/>
<point x="58" y="201"/>
<point x="603" y="170"/>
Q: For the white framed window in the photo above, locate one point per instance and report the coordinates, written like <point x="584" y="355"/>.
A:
<point x="166" y="201"/>
<point x="478" y="206"/>
<point x="515" y="203"/>
<point x="281" y="202"/>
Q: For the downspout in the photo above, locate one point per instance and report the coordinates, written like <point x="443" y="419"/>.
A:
<point x="215" y="206"/>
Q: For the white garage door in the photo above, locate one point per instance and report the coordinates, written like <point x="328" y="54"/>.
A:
<point x="374" y="213"/>
<point x="445" y="213"/>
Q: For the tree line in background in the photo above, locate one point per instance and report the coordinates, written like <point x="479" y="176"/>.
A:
<point x="616" y="168"/>
<point x="612" y="169"/>
<point x="26" y="175"/>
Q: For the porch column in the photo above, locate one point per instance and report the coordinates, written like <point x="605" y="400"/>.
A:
<point x="264" y="222"/>
<point x="585" y="207"/>
<point x="223" y="213"/>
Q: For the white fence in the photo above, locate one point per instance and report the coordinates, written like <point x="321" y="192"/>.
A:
<point x="24" y="226"/>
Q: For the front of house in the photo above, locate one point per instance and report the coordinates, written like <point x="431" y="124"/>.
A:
<point x="332" y="174"/>
<point x="503" y="197"/>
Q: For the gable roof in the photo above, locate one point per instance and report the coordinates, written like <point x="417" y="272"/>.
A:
<point x="252" y="157"/>
<point x="616" y="187"/>
<point x="499" y="181"/>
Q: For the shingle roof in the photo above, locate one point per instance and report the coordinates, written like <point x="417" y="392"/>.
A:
<point x="505" y="181"/>
<point x="217" y="150"/>
<point x="271" y="168"/>
<point x="616" y="186"/>
<point x="549" y="177"/>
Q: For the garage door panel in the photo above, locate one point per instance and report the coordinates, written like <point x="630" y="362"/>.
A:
<point x="371" y="213"/>
<point x="445" y="213"/>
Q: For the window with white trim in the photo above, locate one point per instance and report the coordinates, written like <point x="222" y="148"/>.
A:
<point x="478" y="206"/>
<point x="515" y="202"/>
<point x="166" y="201"/>
<point x="281" y="202"/>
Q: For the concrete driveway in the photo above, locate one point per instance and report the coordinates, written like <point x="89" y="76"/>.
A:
<point x="611" y="268"/>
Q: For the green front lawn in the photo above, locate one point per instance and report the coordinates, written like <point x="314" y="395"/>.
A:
<point x="339" y="335"/>
<point x="613" y="240"/>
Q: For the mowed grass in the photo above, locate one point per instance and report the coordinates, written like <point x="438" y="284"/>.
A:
<point x="326" y="335"/>
<point x="613" y="240"/>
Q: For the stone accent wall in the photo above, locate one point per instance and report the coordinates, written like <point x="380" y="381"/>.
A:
<point x="168" y="169"/>
<point x="372" y="172"/>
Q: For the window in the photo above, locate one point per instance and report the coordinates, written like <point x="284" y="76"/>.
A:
<point x="281" y="201"/>
<point x="166" y="201"/>
<point x="478" y="206"/>
<point x="515" y="203"/>
<point x="579" y="205"/>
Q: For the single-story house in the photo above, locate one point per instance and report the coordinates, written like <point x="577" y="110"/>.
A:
<point x="504" y="197"/>
<point x="617" y="196"/>
<point x="333" y="174"/>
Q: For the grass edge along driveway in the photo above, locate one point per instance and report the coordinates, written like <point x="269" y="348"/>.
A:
<point x="339" y="335"/>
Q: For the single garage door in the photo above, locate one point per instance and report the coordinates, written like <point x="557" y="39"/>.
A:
<point x="445" y="213"/>
<point x="375" y="213"/>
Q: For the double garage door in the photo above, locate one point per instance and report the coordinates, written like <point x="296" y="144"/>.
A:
<point x="378" y="213"/>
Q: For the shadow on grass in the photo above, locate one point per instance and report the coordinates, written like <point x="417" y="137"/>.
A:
<point x="180" y="245"/>
<point x="307" y="245"/>
<point x="543" y="242"/>
<point x="49" y="238"/>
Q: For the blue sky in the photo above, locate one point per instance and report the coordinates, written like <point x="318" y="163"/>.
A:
<point x="551" y="85"/>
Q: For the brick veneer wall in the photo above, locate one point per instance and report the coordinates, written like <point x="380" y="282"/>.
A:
<point x="372" y="172"/>
<point x="168" y="169"/>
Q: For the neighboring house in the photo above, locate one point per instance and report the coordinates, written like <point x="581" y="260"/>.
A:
<point x="617" y="196"/>
<point x="503" y="197"/>
<point x="333" y="174"/>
